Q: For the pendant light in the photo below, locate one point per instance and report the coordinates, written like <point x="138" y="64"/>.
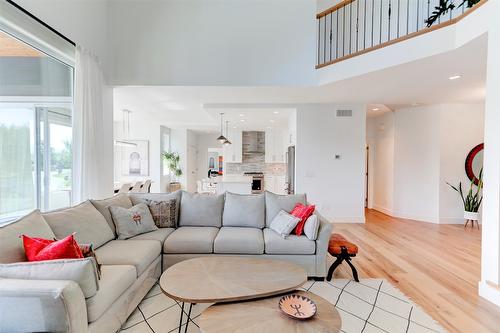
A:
<point x="227" y="142"/>
<point x="124" y="141"/>
<point x="222" y="139"/>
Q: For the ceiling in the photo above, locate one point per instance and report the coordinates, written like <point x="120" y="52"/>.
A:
<point x="425" y="81"/>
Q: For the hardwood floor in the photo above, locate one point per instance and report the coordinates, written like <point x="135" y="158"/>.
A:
<point x="437" y="266"/>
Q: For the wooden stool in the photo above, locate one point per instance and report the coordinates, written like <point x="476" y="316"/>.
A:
<point x="342" y="249"/>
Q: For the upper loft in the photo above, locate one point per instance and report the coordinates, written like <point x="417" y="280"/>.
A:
<point x="243" y="43"/>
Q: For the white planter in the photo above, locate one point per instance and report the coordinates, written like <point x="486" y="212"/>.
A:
<point x="473" y="216"/>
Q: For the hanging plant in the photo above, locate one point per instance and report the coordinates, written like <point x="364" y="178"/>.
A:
<point x="444" y="7"/>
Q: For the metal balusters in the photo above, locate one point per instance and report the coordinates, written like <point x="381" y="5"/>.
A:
<point x="389" y="26"/>
<point x="418" y="11"/>
<point x="399" y="4"/>
<point x="357" y="25"/>
<point x="407" y="16"/>
<point x="343" y="31"/>
<point x="373" y="12"/>
<point x="364" y="27"/>
<point x="319" y="40"/>
<point x="337" y="37"/>
<point x="350" y="28"/>
<point x="324" y="42"/>
<point x="331" y="15"/>
<point x="380" y="23"/>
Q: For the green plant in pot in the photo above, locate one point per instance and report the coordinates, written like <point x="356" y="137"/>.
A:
<point x="173" y="160"/>
<point x="472" y="199"/>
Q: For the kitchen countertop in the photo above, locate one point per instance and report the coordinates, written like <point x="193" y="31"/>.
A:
<point x="233" y="179"/>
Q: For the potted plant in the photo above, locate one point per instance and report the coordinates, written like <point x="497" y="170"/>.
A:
<point x="173" y="160"/>
<point x="472" y="200"/>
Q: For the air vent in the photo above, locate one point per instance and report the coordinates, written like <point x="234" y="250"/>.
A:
<point x="344" y="113"/>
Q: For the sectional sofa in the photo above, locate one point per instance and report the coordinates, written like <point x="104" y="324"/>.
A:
<point x="69" y="296"/>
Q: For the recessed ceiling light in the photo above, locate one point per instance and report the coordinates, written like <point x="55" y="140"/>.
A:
<point x="276" y="112"/>
<point x="375" y="109"/>
<point x="454" y="77"/>
<point x="242" y="115"/>
<point x="242" y="120"/>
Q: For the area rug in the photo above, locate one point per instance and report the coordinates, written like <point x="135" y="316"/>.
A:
<point x="370" y="306"/>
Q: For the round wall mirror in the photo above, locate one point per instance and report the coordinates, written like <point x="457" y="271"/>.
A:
<point x="474" y="163"/>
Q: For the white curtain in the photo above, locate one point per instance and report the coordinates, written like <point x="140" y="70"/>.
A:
<point x="88" y="128"/>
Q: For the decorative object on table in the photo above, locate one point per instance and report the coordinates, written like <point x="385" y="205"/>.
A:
<point x="343" y="250"/>
<point x="444" y="7"/>
<point x="297" y="306"/>
<point x="474" y="163"/>
<point x="134" y="158"/>
<point x="472" y="200"/>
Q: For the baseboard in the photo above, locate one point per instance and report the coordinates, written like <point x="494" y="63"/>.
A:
<point x="384" y="210"/>
<point x="489" y="292"/>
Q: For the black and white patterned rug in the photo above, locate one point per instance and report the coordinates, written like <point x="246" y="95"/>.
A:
<point x="371" y="306"/>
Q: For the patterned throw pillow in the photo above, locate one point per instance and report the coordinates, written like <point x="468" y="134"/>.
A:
<point x="164" y="212"/>
<point x="303" y="212"/>
<point x="132" y="221"/>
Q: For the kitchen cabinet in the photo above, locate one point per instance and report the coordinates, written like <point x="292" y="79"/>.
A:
<point x="275" y="184"/>
<point x="276" y="146"/>
<point x="233" y="153"/>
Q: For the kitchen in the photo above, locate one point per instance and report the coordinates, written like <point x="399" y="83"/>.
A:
<point x="254" y="160"/>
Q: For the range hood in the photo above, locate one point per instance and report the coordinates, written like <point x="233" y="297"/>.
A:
<point x="253" y="142"/>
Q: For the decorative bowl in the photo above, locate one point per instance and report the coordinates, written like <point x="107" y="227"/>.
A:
<point x="297" y="306"/>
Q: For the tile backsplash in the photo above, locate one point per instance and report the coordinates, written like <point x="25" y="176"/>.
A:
<point x="277" y="169"/>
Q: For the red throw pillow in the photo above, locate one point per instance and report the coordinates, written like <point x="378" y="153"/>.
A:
<point x="38" y="249"/>
<point x="303" y="212"/>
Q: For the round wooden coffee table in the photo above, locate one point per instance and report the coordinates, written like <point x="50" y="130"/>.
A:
<point x="228" y="279"/>
<point x="263" y="315"/>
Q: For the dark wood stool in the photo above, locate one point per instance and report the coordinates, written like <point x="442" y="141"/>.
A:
<point x="343" y="250"/>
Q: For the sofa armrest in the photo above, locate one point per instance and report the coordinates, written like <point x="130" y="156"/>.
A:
<point x="325" y="230"/>
<point x="42" y="306"/>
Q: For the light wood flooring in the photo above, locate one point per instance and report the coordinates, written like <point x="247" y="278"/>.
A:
<point x="437" y="266"/>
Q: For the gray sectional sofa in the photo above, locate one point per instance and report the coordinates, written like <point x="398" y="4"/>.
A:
<point x="70" y="297"/>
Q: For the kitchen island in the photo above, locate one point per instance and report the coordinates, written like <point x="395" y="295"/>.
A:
<point x="233" y="183"/>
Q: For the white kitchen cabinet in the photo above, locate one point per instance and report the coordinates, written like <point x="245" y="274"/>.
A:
<point x="233" y="153"/>
<point x="275" y="184"/>
<point x="276" y="146"/>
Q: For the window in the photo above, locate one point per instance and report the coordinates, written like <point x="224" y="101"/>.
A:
<point x="36" y="101"/>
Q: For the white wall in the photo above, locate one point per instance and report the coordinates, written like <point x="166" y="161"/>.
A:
<point x="416" y="163"/>
<point x="380" y="139"/>
<point x="461" y="129"/>
<point x="335" y="186"/>
<point x="416" y="150"/>
<point x="217" y="42"/>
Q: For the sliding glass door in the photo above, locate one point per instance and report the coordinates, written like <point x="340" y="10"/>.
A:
<point x="36" y="99"/>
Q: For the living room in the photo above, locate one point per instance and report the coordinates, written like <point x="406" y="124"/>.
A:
<point x="218" y="161"/>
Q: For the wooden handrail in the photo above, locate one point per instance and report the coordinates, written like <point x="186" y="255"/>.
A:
<point x="334" y="8"/>
<point x="400" y="39"/>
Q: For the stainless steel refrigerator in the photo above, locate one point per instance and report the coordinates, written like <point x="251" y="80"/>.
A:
<point x="290" y="170"/>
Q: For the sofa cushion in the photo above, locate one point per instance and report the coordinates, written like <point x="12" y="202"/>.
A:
<point x="81" y="271"/>
<point x="90" y="226"/>
<point x="120" y="200"/>
<point x="244" y="210"/>
<point x="159" y="235"/>
<point x="11" y="246"/>
<point x="115" y="280"/>
<point x="239" y="240"/>
<point x="142" y="197"/>
<point x="277" y="202"/>
<point x="191" y="240"/>
<point x="293" y="244"/>
<point x="138" y="253"/>
<point x="201" y="210"/>
<point x="132" y="221"/>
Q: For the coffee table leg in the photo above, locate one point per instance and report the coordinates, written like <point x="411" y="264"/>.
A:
<point x="188" y="317"/>
<point x="182" y="314"/>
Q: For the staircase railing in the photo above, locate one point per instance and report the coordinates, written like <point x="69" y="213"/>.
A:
<point x="355" y="27"/>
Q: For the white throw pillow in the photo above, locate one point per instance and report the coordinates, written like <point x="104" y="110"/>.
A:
<point x="284" y="223"/>
<point x="133" y="221"/>
<point x="82" y="271"/>
<point x="311" y="227"/>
